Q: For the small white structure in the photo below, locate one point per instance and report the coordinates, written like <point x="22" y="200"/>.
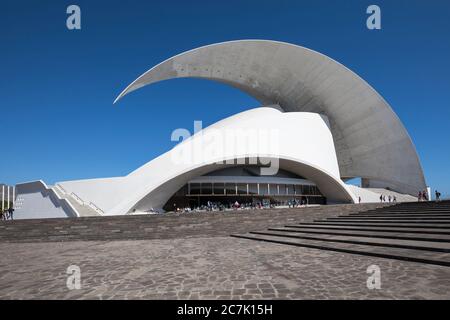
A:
<point x="320" y="125"/>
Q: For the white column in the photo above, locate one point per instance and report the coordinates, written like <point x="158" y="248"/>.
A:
<point x="13" y="195"/>
<point x="8" y="199"/>
<point x="3" y="198"/>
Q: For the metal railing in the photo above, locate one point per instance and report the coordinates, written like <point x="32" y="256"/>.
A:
<point x="88" y="204"/>
<point x="93" y="206"/>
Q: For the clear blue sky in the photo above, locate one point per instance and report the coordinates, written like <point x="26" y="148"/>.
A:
<point x="57" y="86"/>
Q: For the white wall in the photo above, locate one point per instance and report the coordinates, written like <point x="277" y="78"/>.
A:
<point x="35" y="200"/>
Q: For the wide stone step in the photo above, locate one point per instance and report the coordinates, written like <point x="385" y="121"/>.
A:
<point x="371" y="224"/>
<point x="404" y="212"/>
<point x="421" y="256"/>
<point x="166" y="226"/>
<point x="364" y="240"/>
<point x="412" y="207"/>
<point x="426" y="203"/>
<point x="371" y="228"/>
<point x="415" y="206"/>
<point x="401" y="215"/>
<point x="446" y="208"/>
<point x="368" y="233"/>
<point x="389" y="219"/>
<point x="380" y="222"/>
<point x="394" y="217"/>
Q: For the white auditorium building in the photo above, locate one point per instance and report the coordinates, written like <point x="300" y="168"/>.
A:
<point x="319" y="126"/>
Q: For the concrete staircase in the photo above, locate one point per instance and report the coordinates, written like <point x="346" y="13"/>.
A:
<point x="82" y="209"/>
<point x="165" y="226"/>
<point x="418" y="232"/>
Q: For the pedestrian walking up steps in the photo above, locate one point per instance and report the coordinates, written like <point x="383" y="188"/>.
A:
<point x="418" y="232"/>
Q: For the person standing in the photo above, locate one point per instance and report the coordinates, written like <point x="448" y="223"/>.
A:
<point x="419" y="198"/>
<point x="438" y="196"/>
<point x="381" y="198"/>
<point x="11" y="213"/>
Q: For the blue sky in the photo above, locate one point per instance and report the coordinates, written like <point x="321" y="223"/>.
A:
<point x="57" y="86"/>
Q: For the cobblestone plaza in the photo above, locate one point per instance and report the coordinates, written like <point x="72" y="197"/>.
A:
<point x="208" y="266"/>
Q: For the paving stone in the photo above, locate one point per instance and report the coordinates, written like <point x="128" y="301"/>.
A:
<point x="208" y="266"/>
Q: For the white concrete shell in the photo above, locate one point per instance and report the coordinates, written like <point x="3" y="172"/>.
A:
<point x="370" y="140"/>
<point x="153" y="184"/>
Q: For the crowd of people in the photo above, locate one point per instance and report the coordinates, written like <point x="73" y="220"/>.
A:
<point x="7" y="214"/>
<point x="220" y="206"/>
<point x="292" y="203"/>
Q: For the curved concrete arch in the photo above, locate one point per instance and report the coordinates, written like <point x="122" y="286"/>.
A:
<point x="370" y="140"/>
<point x="155" y="182"/>
<point x="314" y="159"/>
<point x="332" y="188"/>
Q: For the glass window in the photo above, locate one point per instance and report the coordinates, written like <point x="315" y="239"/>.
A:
<point x="195" y="188"/>
<point x="305" y="189"/>
<point x="206" y="188"/>
<point x="219" y="188"/>
<point x="290" y="189"/>
<point x="242" y="188"/>
<point x="316" y="190"/>
<point x="263" y="188"/>
<point x="231" y="188"/>
<point x="273" y="189"/>
<point x="282" y="189"/>
<point x="300" y="189"/>
<point x="252" y="188"/>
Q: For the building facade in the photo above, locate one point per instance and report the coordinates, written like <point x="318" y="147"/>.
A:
<point x="352" y="132"/>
